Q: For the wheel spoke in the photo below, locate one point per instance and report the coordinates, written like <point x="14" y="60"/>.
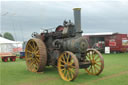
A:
<point x="73" y="66"/>
<point x="38" y="56"/>
<point x="98" y="65"/>
<point x="94" y="55"/>
<point x="71" y="74"/>
<point x="62" y="69"/>
<point x="63" y="59"/>
<point x="89" y="68"/>
<point x="36" y="65"/>
<point x="67" y="58"/>
<point x="29" y="51"/>
<point x="96" y="58"/>
<point x="71" y="62"/>
<point x="62" y="65"/>
<point x="92" y="69"/>
<point x="30" y="55"/>
<point x="91" y="54"/>
<point x="98" y="61"/>
<point x="34" y="45"/>
<point x="71" y="70"/>
<point x="37" y="52"/>
<point x="67" y="75"/>
<point x="37" y="60"/>
<point x="96" y="68"/>
<point x="32" y="63"/>
<point x="30" y="58"/>
<point x="30" y="46"/>
<point x="89" y="57"/>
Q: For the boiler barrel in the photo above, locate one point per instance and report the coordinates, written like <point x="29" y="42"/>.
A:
<point x="77" y="44"/>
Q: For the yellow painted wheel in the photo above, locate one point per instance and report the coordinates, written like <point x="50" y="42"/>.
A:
<point x="35" y="55"/>
<point x="97" y="62"/>
<point x="68" y="66"/>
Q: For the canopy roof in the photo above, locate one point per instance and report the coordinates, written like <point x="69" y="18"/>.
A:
<point x="103" y="33"/>
<point x="5" y="41"/>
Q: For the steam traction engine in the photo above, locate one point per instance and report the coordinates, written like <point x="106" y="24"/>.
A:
<point x="65" y="49"/>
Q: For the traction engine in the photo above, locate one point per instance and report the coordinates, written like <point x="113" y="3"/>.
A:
<point x="65" y="48"/>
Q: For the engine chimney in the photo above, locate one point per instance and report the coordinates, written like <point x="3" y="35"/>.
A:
<point x="77" y="20"/>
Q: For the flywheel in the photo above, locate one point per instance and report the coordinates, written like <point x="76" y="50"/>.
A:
<point x="97" y="62"/>
<point x="35" y="55"/>
<point x="68" y="66"/>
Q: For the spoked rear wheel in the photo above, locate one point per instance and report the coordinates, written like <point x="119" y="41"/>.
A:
<point x="35" y="55"/>
<point x="97" y="62"/>
<point x="68" y="66"/>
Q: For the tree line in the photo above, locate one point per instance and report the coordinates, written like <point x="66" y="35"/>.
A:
<point x="7" y="35"/>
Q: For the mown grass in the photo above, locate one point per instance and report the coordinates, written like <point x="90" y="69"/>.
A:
<point x="115" y="73"/>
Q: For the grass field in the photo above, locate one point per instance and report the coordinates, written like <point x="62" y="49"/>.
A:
<point x="115" y="73"/>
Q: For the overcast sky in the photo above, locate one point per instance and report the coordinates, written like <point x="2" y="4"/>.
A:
<point x="21" y="18"/>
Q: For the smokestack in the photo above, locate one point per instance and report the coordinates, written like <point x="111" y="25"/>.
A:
<point x="77" y="20"/>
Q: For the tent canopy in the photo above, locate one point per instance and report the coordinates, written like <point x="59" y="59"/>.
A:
<point x="3" y="41"/>
<point x="9" y="45"/>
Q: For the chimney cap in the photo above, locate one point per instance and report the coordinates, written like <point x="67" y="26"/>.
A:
<point x="76" y="8"/>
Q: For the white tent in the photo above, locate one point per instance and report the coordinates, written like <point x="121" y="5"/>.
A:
<point x="8" y="45"/>
<point x="3" y="41"/>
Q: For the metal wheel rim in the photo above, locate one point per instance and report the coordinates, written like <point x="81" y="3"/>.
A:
<point x="70" y="72"/>
<point x="97" y="61"/>
<point x="35" y="55"/>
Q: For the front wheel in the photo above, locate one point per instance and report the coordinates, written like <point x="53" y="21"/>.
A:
<point x="68" y="66"/>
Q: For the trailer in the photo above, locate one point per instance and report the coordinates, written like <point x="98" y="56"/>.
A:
<point x="116" y="41"/>
<point x="5" y="57"/>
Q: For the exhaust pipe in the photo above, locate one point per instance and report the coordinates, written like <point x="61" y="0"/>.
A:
<point x="77" y="20"/>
